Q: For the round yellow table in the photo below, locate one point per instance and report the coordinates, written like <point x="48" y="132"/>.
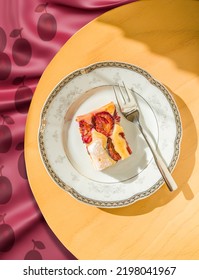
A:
<point x="161" y="37"/>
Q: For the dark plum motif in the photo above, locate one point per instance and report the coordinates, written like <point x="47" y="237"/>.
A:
<point x="23" y="95"/>
<point x="47" y="25"/>
<point x="5" y="134"/>
<point x="5" y="188"/>
<point x="21" y="161"/>
<point x="34" y="254"/>
<point x="5" y="63"/>
<point x="7" y="236"/>
<point x="21" y="49"/>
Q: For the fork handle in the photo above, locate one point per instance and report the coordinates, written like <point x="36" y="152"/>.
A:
<point x="171" y="184"/>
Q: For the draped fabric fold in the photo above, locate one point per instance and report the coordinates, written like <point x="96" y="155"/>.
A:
<point x="31" y="33"/>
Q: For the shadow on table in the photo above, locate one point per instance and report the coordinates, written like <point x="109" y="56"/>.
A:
<point x="181" y="173"/>
<point x="167" y="28"/>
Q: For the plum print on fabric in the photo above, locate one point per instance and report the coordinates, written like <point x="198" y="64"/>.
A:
<point x="46" y="25"/>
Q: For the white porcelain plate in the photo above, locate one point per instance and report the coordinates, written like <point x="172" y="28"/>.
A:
<point x="65" y="156"/>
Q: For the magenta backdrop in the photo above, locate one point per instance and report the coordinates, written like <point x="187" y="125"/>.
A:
<point x="31" y="33"/>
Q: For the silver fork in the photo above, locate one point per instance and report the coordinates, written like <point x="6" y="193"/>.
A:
<point x="129" y="108"/>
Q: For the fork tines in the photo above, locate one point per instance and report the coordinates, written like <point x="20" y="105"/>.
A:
<point x="124" y="96"/>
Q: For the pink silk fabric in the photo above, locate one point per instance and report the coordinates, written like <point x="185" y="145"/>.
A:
<point x="31" y="33"/>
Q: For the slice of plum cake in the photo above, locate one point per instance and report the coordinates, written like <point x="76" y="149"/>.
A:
<point x="104" y="136"/>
